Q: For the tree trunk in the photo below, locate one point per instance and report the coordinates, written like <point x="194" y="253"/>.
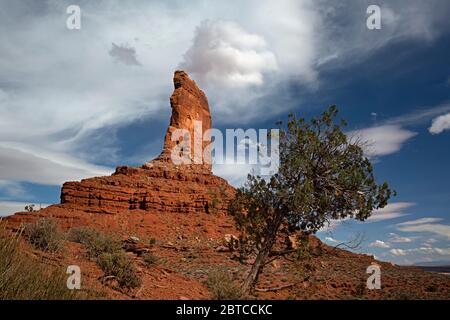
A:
<point x="262" y="255"/>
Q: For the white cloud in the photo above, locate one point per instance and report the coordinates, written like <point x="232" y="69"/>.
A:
<point x="22" y="163"/>
<point x="398" y="252"/>
<point x="224" y="54"/>
<point x="11" y="189"/>
<point x="380" y="244"/>
<point x="419" y="221"/>
<point x="330" y="239"/>
<point x="9" y="207"/>
<point x="395" y="238"/>
<point x="440" y="124"/>
<point x="382" y="140"/>
<point x="421" y="251"/>
<point x="427" y="225"/>
<point x="58" y="90"/>
<point x="391" y="211"/>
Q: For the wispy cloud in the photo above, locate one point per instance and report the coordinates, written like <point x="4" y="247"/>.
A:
<point x="427" y="225"/>
<point x="395" y="238"/>
<point x="382" y="140"/>
<point x="421" y="251"/>
<point x="391" y="211"/>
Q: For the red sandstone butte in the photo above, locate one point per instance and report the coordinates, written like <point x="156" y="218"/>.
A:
<point x="159" y="185"/>
<point x="189" y="105"/>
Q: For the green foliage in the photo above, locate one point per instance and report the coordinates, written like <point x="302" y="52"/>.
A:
<point x="222" y="286"/>
<point x="45" y="235"/>
<point x="323" y="175"/>
<point x="119" y="266"/>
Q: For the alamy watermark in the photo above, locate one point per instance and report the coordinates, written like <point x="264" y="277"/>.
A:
<point x="74" y="279"/>
<point x="73" y="22"/>
<point x="373" y="21"/>
<point x="374" y="280"/>
<point x="259" y="148"/>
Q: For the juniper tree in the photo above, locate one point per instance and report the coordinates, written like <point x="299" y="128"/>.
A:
<point x="323" y="176"/>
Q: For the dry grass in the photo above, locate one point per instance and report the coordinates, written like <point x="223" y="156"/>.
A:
<point x="107" y="252"/>
<point x="24" y="278"/>
<point x="222" y="286"/>
<point x="45" y="235"/>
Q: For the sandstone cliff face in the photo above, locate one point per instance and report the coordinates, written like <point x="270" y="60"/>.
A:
<point x="189" y="108"/>
<point x="160" y="185"/>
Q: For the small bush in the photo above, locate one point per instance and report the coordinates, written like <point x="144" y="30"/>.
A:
<point x="95" y="242"/>
<point x="119" y="265"/>
<point x="107" y="252"/>
<point x="432" y="288"/>
<point x="149" y="259"/>
<point x="222" y="286"/>
<point x="45" y="235"/>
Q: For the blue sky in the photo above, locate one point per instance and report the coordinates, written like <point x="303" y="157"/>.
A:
<point x="77" y="103"/>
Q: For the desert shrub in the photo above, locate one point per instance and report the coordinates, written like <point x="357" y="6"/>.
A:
<point x="24" y="278"/>
<point x="222" y="286"/>
<point x="149" y="259"/>
<point x="45" y="235"/>
<point x="360" y="289"/>
<point x="119" y="266"/>
<point x="95" y="242"/>
<point x="107" y="252"/>
<point x="432" y="288"/>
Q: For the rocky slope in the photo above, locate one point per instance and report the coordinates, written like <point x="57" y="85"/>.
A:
<point x="178" y="214"/>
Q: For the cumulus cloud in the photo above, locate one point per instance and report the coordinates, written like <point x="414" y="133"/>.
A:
<point x="380" y="244"/>
<point x="382" y="140"/>
<point x="440" y="124"/>
<point x="124" y="54"/>
<point x="224" y="54"/>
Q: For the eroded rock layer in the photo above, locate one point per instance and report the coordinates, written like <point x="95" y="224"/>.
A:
<point x="161" y="187"/>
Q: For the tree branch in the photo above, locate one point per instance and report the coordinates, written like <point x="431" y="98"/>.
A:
<point x="275" y="288"/>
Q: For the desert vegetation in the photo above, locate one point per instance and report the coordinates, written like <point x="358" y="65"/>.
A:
<point x="107" y="252"/>
<point x="323" y="176"/>
<point x="23" y="277"/>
